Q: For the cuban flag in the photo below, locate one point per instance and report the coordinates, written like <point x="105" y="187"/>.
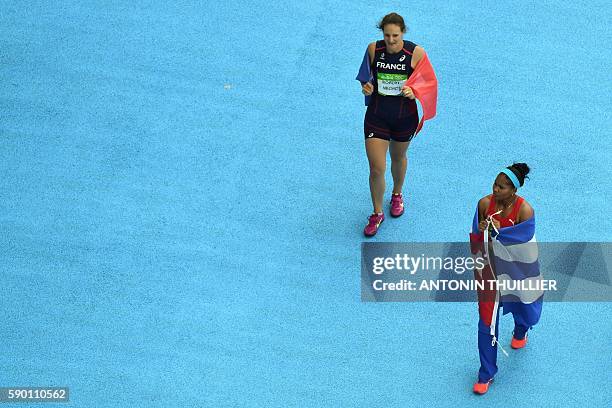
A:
<point x="511" y="258"/>
<point x="422" y="81"/>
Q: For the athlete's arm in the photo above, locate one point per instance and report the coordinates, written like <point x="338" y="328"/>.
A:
<point x="525" y="212"/>
<point x="372" y="51"/>
<point x="366" y="87"/>
<point x="483" y="204"/>
<point x="417" y="56"/>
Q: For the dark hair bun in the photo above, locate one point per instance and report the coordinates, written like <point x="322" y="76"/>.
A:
<point x="521" y="170"/>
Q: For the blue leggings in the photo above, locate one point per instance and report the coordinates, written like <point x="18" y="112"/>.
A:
<point x="488" y="351"/>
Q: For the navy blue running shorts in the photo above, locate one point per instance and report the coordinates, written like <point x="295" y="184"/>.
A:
<point x="399" y="130"/>
<point x="397" y="121"/>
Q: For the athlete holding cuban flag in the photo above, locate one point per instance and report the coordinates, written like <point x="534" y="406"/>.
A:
<point x="503" y="231"/>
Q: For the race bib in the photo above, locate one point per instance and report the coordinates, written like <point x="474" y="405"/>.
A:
<point x="390" y="84"/>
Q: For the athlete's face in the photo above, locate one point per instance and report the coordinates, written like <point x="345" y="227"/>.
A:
<point x="503" y="188"/>
<point x="394" y="38"/>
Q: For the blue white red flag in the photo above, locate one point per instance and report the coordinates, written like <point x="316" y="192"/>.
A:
<point x="512" y="260"/>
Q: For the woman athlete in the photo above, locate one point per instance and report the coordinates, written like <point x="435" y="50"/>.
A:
<point x="391" y="118"/>
<point x="500" y="213"/>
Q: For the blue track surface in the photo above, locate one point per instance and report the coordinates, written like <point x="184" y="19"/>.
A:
<point x="184" y="187"/>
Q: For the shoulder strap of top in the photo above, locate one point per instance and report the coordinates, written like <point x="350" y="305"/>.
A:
<point x="409" y="47"/>
<point x="379" y="48"/>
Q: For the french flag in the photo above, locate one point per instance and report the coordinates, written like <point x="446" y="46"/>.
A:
<point x="515" y="266"/>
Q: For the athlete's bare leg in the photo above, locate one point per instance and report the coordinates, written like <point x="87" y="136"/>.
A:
<point x="376" y="150"/>
<point x="399" y="163"/>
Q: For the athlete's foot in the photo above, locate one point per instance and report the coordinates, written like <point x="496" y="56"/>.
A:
<point x="482" y="388"/>
<point x="397" y="205"/>
<point x="518" y="344"/>
<point x="374" y="222"/>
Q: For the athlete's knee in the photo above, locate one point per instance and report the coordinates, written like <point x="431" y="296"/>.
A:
<point x="377" y="169"/>
<point x="398" y="152"/>
<point x="398" y="157"/>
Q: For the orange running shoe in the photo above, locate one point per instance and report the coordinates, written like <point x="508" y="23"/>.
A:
<point x="482" y="388"/>
<point x="518" y="344"/>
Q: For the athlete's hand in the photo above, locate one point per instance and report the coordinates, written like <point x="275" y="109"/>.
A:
<point x="367" y="88"/>
<point x="407" y="92"/>
<point x="482" y="225"/>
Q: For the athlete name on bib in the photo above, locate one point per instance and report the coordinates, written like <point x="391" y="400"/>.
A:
<point x="391" y="84"/>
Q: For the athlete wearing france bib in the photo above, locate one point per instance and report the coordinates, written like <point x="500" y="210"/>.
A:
<point x="390" y="115"/>
<point x="391" y="69"/>
<point x="391" y="119"/>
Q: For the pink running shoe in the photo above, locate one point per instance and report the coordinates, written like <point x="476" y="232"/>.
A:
<point x="374" y="222"/>
<point x="397" y="205"/>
